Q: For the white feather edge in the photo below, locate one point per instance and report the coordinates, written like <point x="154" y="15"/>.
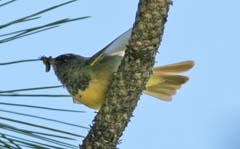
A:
<point x="118" y="46"/>
<point x="118" y="53"/>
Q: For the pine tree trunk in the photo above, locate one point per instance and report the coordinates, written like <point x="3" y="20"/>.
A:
<point x="131" y="77"/>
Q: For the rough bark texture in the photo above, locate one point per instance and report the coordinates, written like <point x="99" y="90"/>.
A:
<point x="130" y="80"/>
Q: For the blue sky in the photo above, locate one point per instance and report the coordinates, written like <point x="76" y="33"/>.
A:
<point x="205" y="112"/>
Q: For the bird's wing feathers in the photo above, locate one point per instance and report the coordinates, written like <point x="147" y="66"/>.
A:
<point x="118" y="45"/>
<point x="116" y="48"/>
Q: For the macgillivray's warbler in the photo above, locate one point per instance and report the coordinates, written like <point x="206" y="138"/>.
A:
<point x="87" y="78"/>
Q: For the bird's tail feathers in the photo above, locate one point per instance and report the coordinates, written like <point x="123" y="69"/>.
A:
<point x="166" y="80"/>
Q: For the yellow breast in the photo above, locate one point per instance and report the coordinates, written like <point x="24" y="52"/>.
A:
<point x="94" y="95"/>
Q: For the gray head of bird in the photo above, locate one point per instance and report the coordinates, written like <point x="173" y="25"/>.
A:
<point x="63" y="62"/>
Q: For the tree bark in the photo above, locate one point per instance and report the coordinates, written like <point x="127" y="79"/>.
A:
<point x="130" y="79"/>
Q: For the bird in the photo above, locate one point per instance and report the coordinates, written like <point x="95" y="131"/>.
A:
<point x="87" y="78"/>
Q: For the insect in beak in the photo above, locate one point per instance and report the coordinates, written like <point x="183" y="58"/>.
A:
<point x="47" y="61"/>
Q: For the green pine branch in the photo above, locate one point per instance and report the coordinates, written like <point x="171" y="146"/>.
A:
<point x="36" y="29"/>
<point x="12" y="134"/>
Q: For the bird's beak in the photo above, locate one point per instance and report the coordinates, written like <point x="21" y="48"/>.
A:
<point x="48" y="61"/>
